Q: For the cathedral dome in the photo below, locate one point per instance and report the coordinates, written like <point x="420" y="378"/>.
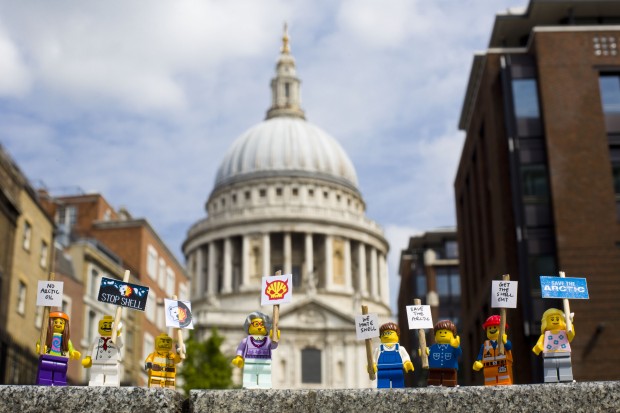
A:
<point x="286" y="146"/>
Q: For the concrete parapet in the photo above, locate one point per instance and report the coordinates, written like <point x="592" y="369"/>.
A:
<point x="554" y="398"/>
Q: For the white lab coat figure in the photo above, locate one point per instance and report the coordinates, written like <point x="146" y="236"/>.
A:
<point x="106" y="359"/>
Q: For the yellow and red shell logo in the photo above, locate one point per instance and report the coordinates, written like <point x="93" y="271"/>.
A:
<point x="125" y="290"/>
<point x="182" y="315"/>
<point x="276" y="290"/>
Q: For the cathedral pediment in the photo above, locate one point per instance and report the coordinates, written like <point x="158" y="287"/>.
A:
<point x="315" y="314"/>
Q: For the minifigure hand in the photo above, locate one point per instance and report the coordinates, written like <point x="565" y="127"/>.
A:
<point x="477" y="365"/>
<point x="408" y="366"/>
<point x="371" y="369"/>
<point x="428" y="351"/>
<point x="75" y="355"/>
<point x="180" y="349"/>
<point x="238" y="361"/>
<point x="148" y="365"/>
<point x="537" y="349"/>
<point x="455" y="342"/>
<point x="87" y="362"/>
<point x="38" y="348"/>
<point x="505" y="338"/>
<point x="271" y="334"/>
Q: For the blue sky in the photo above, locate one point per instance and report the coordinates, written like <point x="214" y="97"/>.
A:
<point x="139" y="100"/>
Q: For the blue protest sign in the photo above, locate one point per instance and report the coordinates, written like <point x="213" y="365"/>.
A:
<point x="558" y="287"/>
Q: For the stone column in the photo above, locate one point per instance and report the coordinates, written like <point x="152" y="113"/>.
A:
<point x="309" y="256"/>
<point x="245" y="262"/>
<point x="374" y="277"/>
<point x="200" y="279"/>
<point x="288" y="259"/>
<point x="266" y="255"/>
<point x="212" y="276"/>
<point x="227" y="279"/>
<point x="329" y="262"/>
<point x="384" y="284"/>
<point x="348" y="284"/>
<point x="361" y="269"/>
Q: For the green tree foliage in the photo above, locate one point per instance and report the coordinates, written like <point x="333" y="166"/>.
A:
<point x="205" y="367"/>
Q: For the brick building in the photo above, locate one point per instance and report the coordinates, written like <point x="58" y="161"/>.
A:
<point x="538" y="184"/>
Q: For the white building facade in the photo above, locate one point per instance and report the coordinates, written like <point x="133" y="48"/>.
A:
<point x="286" y="198"/>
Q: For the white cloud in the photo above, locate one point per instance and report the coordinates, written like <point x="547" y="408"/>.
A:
<point x="14" y="74"/>
<point x="398" y="237"/>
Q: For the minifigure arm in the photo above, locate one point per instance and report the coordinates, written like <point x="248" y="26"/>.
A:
<point x="175" y="358"/>
<point x="507" y="345"/>
<point x="407" y="364"/>
<point x="238" y="360"/>
<point x="479" y="358"/>
<point x="148" y="363"/>
<point x="571" y="334"/>
<point x="73" y="353"/>
<point x="455" y="342"/>
<point x="539" y="345"/>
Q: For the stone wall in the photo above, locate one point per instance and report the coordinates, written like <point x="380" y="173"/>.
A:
<point x="574" y="398"/>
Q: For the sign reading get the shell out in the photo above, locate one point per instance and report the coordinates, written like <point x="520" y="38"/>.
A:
<point x="277" y="289"/>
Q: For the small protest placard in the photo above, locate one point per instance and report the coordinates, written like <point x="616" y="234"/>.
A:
<point x="419" y="316"/>
<point x="366" y="326"/>
<point x="123" y="294"/>
<point x="504" y="294"/>
<point x="178" y="314"/>
<point x="49" y="293"/>
<point x="277" y="289"/>
<point x="570" y="288"/>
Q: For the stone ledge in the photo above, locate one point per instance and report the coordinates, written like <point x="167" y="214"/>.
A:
<point x="44" y="399"/>
<point x="553" y="398"/>
<point x="556" y="398"/>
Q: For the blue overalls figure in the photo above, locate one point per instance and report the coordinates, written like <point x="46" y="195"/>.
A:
<point x="391" y="358"/>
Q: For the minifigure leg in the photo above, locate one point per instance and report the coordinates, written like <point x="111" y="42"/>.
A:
<point x="250" y="376"/>
<point x="383" y="379"/>
<point x="111" y="375"/>
<point x="60" y="373"/>
<point x="96" y="375"/>
<point x="264" y="376"/>
<point x="565" y="369"/>
<point x="44" y="375"/>
<point x="398" y="379"/>
<point x="170" y="383"/>
<point x="550" y="370"/>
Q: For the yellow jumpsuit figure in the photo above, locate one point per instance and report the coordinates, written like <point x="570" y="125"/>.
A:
<point x="161" y="364"/>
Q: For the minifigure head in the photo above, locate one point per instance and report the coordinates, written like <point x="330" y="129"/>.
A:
<point x="445" y="331"/>
<point x="58" y="323"/>
<point x="163" y="342"/>
<point x="105" y="326"/>
<point x="492" y="327"/>
<point x="552" y="320"/>
<point x="389" y="333"/>
<point x="257" y="324"/>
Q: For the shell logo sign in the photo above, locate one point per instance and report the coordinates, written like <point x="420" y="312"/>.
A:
<point x="277" y="290"/>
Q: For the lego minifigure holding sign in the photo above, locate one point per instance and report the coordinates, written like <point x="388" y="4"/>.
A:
<point x="160" y="365"/>
<point x="443" y="355"/>
<point x="554" y="343"/>
<point x="497" y="366"/>
<point x="57" y="351"/>
<point x="105" y="356"/>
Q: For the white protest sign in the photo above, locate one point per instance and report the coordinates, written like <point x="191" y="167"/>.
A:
<point x="419" y="316"/>
<point x="504" y="294"/>
<point x="277" y="289"/>
<point x="49" y="293"/>
<point x="178" y="313"/>
<point x="366" y="326"/>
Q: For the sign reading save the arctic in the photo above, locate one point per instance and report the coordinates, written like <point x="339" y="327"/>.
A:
<point x="557" y="287"/>
<point x="124" y="294"/>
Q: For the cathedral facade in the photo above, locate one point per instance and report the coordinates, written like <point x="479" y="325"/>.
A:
<point x="286" y="198"/>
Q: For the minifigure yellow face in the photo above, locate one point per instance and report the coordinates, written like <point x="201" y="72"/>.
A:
<point x="492" y="332"/>
<point x="389" y="337"/>
<point x="163" y="343"/>
<point x="59" y="325"/>
<point x="105" y="327"/>
<point x="257" y="327"/>
<point x="443" y="336"/>
<point x="555" y="322"/>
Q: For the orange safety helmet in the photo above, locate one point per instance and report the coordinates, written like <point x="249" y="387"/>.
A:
<point x="494" y="320"/>
<point x="59" y="314"/>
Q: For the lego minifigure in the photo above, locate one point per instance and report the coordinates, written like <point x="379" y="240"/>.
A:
<point x="105" y="356"/>
<point x="57" y="350"/>
<point x="391" y="359"/>
<point x="160" y="365"/>
<point x="497" y="367"/>
<point x="554" y="343"/>
<point x="443" y="355"/>
<point x="254" y="352"/>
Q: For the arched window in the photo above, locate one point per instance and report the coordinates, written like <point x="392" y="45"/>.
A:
<point x="310" y="365"/>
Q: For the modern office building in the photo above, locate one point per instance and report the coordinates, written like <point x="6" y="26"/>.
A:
<point x="429" y="270"/>
<point x="538" y="184"/>
<point x="286" y="198"/>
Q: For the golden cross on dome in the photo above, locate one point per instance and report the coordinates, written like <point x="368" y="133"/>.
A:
<point x="285" y="47"/>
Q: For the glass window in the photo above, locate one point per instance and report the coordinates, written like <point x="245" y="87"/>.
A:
<point x="311" y="365"/>
<point x="38" y="317"/>
<point x="43" y="257"/>
<point x="452" y="250"/>
<point x="420" y="284"/>
<point x="95" y="281"/>
<point x="151" y="262"/>
<point x="161" y="279"/>
<point x="21" y="298"/>
<point x="27" y="235"/>
<point x="525" y="98"/>
<point x="610" y="93"/>
<point x="170" y="279"/>
<point x="534" y="180"/>
<point x="151" y="304"/>
<point x="149" y="346"/>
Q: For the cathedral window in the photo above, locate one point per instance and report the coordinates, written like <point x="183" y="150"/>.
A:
<point x="311" y="192"/>
<point x="279" y="191"/>
<point x="262" y="193"/>
<point x="295" y="191"/>
<point x="247" y="195"/>
<point x="311" y="365"/>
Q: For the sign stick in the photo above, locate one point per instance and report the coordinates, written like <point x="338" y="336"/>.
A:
<point x="45" y="322"/>
<point x="371" y="362"/>
<point x="119" y="309"/>
<point x="422" y="339"/>
<point x="276" y="317"/>
<point x="180" y="337"/>
<point x="502" y="322"/>
<point x="569" y="323"/>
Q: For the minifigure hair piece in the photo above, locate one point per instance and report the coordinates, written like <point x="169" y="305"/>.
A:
<point x="64" y="347"/>
<point x="550" y="311"/>
<point x="389" y="326"/>
<point x="445" y="325"/>
<point x="257" y="314"/>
